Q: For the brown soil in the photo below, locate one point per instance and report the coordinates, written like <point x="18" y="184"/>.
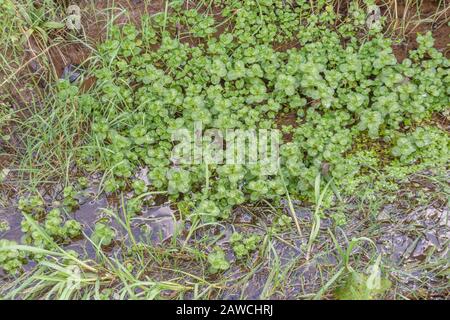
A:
<point x="433" y="16"/>
<point x="94" y="27"/>
<point x="94" y="19"/>
<point x="288" y="119"/>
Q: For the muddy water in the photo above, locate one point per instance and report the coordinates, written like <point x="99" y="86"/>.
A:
<point x="413" y="236"/>
<point x="405" y="239"/>
<point x="12" y="219"/>
<point x="155" y="225"/>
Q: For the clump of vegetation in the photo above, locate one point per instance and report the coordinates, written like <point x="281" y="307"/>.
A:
<point x="134" y="206"/>
<point x="103" y="234"/>
<point x="282" y="222"/>
<point x="429" y="144"/>
<point x="47" y="232"/>
<point x="243" y="245"/>
<point x="32" y="205"/>
<point x="358" y="286"/>
<point x="55" y="227"/>
<point x="338" y="92"/>
<point x="11" y="260"/>
<point x="69" y="198"/>
<point x="83" y="182"/>
<point x="4" y="225"/>
<point x="218" y="261"/>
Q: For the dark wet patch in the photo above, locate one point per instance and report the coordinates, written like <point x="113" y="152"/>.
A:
<point x="71" y="72"/>
<point x="12" y="219"/>
<point x="403" y="238"/>
<point x="415" y="246"/>
<point x="154" y="226"/>
<point x="409" y="237"/>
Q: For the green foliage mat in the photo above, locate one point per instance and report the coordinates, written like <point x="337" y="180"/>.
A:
<point x="359" y="113"/>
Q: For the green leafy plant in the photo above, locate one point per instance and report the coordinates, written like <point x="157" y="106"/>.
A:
<point x="103" y="235"/>
<point x="53" y="229"/>
<point x="11" y="260"/>
<point x="360" y="286"/>
<point x="83" y="182"/>
<point x="350" y="114"/>
<point x="32" y="205"/>
<point x="243" y="245"/>
<point x="4" y="225"/>
<point x="282" y="222"/>
<point x="339" y="94"/>
<point x="134" y="206"/>
<point x="218" y="261"/>
<point x="139" y="187"/>
<point x="70" y="200"/>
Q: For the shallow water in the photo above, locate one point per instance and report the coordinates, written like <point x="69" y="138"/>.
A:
<point x="155" y="225"/>
<point x="403" y="238"/>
